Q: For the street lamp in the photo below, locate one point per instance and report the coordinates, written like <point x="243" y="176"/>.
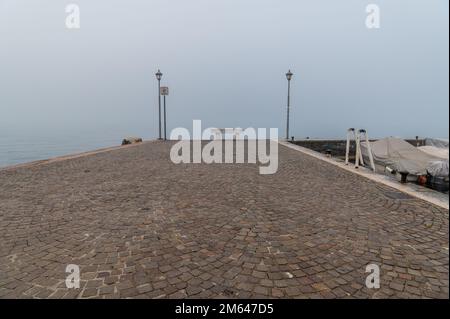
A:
<point x="288" y="77"/>
<point x="158" y="77"/>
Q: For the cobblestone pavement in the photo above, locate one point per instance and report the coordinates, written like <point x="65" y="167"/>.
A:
<point x="140" y="226"/>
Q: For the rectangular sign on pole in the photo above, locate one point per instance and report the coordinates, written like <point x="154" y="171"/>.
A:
<point x="164" y="90"/>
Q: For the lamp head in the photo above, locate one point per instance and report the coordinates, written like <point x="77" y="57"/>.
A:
<point x="158" y="75"/>
<point x="289" y="75"/>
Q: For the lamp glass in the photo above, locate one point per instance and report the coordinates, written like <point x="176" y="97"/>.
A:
<point x="289" y="75"/>
<point x="158" y="75"/>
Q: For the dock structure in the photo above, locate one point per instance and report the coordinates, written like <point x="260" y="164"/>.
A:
<point x="138" y="225"/>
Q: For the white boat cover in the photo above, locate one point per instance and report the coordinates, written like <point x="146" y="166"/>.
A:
<point x="437" y="142"/>
<point x="401" y="156"/>
<point x="435" y="151"/>
<point x="438" y="168"/>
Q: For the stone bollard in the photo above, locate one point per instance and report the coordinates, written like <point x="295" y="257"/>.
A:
<point x="131" y="140"/>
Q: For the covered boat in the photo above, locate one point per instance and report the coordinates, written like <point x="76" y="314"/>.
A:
<point x="398" y="156"/>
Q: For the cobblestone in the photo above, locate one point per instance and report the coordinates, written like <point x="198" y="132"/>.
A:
<point x="140" y="226"/>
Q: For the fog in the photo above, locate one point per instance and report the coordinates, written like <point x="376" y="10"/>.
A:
<point x="225" y="63"/>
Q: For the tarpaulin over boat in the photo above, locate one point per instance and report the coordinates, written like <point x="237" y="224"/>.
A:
<point x="436" y="147"/>
<point x="400" y="156"/>
<point x="440" y="152"/>
<point x="438" y="168"/>
<point x="437" y="142"/>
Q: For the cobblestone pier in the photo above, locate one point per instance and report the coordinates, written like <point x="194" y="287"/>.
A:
<point x="140" y="226"/>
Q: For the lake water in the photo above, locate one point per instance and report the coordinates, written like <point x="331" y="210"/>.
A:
<point x="25" y="145"/>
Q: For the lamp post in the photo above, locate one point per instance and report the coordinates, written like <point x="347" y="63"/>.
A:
<point x="288" y="77"/>
<point x="158" y="77"/>
<point x="165" y="135"/>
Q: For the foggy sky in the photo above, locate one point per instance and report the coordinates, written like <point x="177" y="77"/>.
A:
<point x="225" y="63"/>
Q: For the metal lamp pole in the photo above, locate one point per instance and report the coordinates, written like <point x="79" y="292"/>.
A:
<point x="165" y="135"/>
<point x="158" y="77"/>
<point x="288" y="77"/>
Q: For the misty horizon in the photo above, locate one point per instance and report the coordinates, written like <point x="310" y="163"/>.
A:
<point x="225" y="64"/>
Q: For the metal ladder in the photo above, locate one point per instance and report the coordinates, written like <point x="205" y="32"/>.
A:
<point x="358" y="136"/>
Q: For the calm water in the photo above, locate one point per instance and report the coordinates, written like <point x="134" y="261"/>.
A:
<point x="22" y="145"/>
<point x="25" y="145"/>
